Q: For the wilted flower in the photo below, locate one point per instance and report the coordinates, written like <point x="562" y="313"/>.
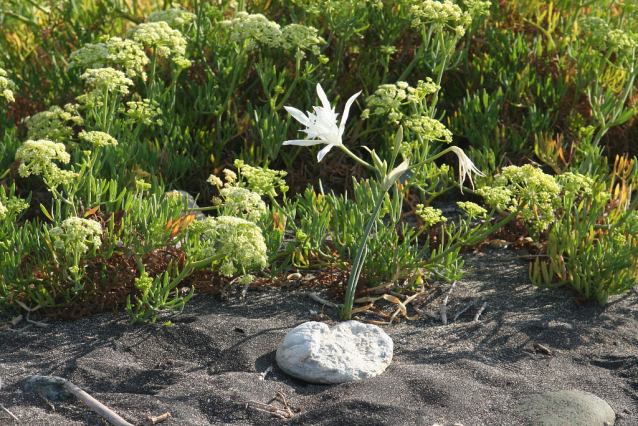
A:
<point x="466" y="167"/>
<point x="322" y="125"/>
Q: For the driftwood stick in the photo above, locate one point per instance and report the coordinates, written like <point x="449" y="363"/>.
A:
<point x="9" y="413"/>
<point x="480" y="311"/>
<point x="444" y="304"/>
<point x="422" y="312"/>
<point x="316" y="298"/>
<point x="39" y="324"/>
<point x="464" y="309"/>
<point x="399" y="295"/>
<point x="150" y="420"/>
<point x="95" y="405"/>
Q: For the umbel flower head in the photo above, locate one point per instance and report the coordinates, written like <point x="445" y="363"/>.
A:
<point x="321" y="126"/>
<point x="75" y="234"/>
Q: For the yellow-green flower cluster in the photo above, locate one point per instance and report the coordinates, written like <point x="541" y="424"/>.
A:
<point x="239" y="241"/>
<point x="632" y="223"/>
<point x="36" y="156"/>
<point x="434" y="12"/>
<point x="604" y="38"/>
<point x="160" y="36"/>
<point x="253" y="28"/>
<point x="428" y="128"/>
<point x="7" y="86"/>
<point x="53" y="124"/>
<point x="11" y="206"/>
<point x="75" y="234"/>
<point x="107" y="79"/>
<point x="256" y="28"/>
<point x="538" y="192"/>
<point x="497" y="197"/>
<point x="140" y="185"/>
<point x="301" y="37"/>
<point x="472" y="209"/>
<point x="144" y="282"/>
<point x="262" y="181"/>
<point x="246" y="279"/>
<point x="116" y="51"/>
<point x="98" y="139"/>
<point x="575" y="183"/>
<point x="241" y="202"/>
<point x="175" y="18"/>
<point x="388" y="50"/>
<point x="447" y="14"/>
<point x="430" y="215"/>
<point x="214" y="180"/>
<point x="145" y="111"/>
<point x="389" y="98"/>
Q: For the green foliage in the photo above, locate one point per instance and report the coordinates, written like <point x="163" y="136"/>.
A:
<point x="592" y="245"/>
<point x="133" y="98"/>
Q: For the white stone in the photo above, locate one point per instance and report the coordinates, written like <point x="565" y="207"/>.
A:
<point x="349" y="351"/>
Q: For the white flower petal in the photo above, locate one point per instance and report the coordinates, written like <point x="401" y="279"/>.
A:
<point x="323" y="152"/>
<point x="304" y="142"/>
<point x="346" y="112"/>
<point x="323" y="98"/>
<point x="298" y="115"/>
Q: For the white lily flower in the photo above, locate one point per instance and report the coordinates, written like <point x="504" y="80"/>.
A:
<point x="466" y="167"/>
<point x="321" y="126"/>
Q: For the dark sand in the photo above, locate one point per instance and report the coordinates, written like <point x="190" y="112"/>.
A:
<point x="204" y="366"/>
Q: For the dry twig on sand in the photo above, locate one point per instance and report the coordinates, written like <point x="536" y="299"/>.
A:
<point x="318" y="299"/>
<point x="95" y="405"/>
<point x="282" y="413"/>
<point x="150" y="420"/>
<point x="9" y="413"/>
<point x="478" y="314"/>
<point x="464" y="309"/>
<point x="444" y="304"/>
